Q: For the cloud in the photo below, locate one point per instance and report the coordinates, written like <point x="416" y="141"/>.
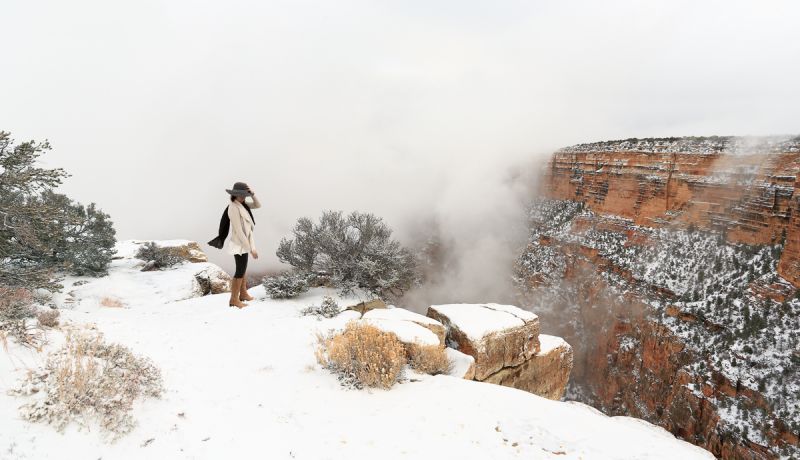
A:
<point x="417" y="111"/>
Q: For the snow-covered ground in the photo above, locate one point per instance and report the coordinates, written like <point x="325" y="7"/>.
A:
<point x="245" y="384"/>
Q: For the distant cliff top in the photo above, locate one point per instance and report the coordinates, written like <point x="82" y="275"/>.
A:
<point x="699" y="145"/>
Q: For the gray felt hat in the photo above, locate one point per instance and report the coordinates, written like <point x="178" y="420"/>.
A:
<point x="239" y="189"/>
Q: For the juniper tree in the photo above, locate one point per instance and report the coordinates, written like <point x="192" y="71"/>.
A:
<point x="42" y="232"/>
<point x="356" y="251"/>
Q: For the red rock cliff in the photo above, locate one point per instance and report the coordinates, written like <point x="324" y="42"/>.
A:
<point x="673" y="347"/>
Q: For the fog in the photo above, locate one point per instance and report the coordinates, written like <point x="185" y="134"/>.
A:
<point x="424" y="112"/>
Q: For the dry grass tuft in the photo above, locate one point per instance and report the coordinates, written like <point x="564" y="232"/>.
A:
<point x="111" y="302"/>
<point x="16" y="313"/>
<point x="429" y="359"/>
<point x="363" y="356"/>
<point x="89" y="379"/>
<point x="48" y="318"/>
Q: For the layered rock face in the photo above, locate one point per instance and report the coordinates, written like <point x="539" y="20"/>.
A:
<point x="546" y="373"/>
<point x="507" y="348"/>
<point x="673" y="266"/>
<point x="491" y="343"/>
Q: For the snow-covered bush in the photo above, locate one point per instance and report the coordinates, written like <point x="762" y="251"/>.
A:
<point x="356" y="251"/>
<point x="363" y="356"/>
<point x="286" y="285"/>
<point x="429" y="359"/>
<point x="89" y="380"/>
<point x="327" y="309"/>
<point x="158" y="258"/>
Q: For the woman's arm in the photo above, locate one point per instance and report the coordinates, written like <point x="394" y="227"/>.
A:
<point x="256" y="204"/>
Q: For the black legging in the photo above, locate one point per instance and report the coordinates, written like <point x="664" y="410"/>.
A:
<point x="241" y="265"/>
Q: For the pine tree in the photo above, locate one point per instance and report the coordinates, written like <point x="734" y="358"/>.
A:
<point x="43" y="233"/>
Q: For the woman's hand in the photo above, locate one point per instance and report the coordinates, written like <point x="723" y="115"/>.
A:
<point x="254" y="254"/>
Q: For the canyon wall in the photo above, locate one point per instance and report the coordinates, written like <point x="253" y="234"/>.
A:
<point x="674" y="266"/>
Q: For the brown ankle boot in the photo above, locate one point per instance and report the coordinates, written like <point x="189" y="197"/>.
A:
<point x="235" y="287"/>
<point x="243" y="294"/>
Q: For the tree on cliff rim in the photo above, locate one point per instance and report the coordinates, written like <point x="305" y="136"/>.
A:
<point x="43" y="233"/>
<point x="356" y="251"/>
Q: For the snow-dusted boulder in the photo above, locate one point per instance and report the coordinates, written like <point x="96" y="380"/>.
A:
<point x="463" y="365"/>
<point x="401" y="314"/>
<point x="546" y="373"/>
<point x="497" y="336"/>
<point x="211" y="280"/>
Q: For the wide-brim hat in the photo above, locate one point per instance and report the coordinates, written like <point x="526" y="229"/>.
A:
<point x="239" y="189"/>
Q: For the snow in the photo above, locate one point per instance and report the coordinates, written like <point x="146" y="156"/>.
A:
<point x="406" y="331"/>
<point x="479" y="320"/>
<point x="245" y="383"/>
<point x="461" y="362"/>
<point x="550" y="342"/>
<point x="134" y="287"/>
<point x="400" y="314"/>
<point x="524" y="315"/>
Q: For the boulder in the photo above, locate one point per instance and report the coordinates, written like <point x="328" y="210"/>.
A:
<point x="189" y="250"/>
<point x="545" y="374"/>
<point x="211" y="280"/>
<point x="402" y="314"/>
<point x="463" y="365"/>
<point x="497" y="336"/>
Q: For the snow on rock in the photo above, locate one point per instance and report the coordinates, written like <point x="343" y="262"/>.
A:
<point x="546" y="373"/>
<point x="211" y="280"/>
<point x="497" y="336"/>
<point x="245" y="383"/>
<point x="463" y="365"/>
<point x="402" y="314"/>
<point x="345" y="317"/>
<point x="407" y="331"/>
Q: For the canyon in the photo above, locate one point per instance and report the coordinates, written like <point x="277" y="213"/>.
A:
<point x="672" y="267"/>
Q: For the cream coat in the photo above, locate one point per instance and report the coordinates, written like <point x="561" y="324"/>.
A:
<point x="242" y="227"/>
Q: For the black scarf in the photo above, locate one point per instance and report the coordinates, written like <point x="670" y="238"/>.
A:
<point x="224" y="226"/>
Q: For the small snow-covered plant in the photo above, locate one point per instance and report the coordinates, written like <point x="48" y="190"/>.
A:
<point x="286" y="285"/>
<point x="89" y="380"/>
<point x="48" y="318"/>
<point x="158" y="258"/>
<point x="327" y="309"/>
<point x="363" y="356"/>
<point x="429" y="359"/>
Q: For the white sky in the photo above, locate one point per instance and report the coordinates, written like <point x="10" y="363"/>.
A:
<point x="412" y="109"/>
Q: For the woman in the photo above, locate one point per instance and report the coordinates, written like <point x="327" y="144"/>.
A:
<point x="242" y="225"/>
